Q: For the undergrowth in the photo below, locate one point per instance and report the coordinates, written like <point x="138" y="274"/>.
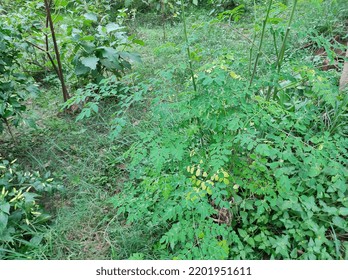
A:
<point x="231" y="179"/>
<point x="156" y="170"/>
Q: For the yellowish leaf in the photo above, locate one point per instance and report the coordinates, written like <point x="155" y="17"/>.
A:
<point x="235" y="76"/>
<point x="192" y="169"/>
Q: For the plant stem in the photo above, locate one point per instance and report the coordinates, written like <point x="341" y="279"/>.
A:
<point x="253" y="41"/>
<point x="282" y="49"/>
<point x="56" y="50"/>
<point x="9" y="129"/>
<point x="280" y="56"/>
<point x="188" y="46"/>
<point x="275" y="42"/>
<point x="49" y="57"/>
<point x="163" y="20"/>
<point x="261" y="42"/>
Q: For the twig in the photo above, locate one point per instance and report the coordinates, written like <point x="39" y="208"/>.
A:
<point x="9" y="129"/>
<point x="48" y="54"/>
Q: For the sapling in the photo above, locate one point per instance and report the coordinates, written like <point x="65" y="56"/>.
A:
<point x="253" y="41"/>
<point x="261" y="42"/>
<point x="49" y="22"/>
<point x="280" y="55"/>
<point x="188" y="45"/>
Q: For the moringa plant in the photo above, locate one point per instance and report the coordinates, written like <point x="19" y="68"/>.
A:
<point x="279" y="52"/>
<point x="261" y="41"/>
<point x="183" y="17"/>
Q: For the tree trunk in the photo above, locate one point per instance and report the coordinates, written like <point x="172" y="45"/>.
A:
<point x="56" y="50"/>
<point x="344" y="76"/>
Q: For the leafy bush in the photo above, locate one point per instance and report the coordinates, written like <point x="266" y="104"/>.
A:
<point x="88" y="100"/>
<point x="229" y="178"/>
<point x="92" y="43"/>
<point x="11" y="83"/>
<point x="22" y="220"/>
<point x="97" y="49"/>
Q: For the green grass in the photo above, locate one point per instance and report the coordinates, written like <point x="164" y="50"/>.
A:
<point x="75" y="153"/>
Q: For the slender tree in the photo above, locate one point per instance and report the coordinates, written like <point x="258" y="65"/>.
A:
<point x="183" y="16"/>
<point x="58" y="68"/>
<point x="258" y="55"/>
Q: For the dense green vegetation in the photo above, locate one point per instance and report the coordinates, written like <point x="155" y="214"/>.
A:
<point x="187" y="130"/>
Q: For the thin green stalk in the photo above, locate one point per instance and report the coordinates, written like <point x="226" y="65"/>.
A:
<point x="282" y="49"/>
<point x="280" y="56"/>
<point x="275" y="42"/>
<point x="253" y="41"/>
<point x="337" y="242"/>
<point x="261" y="42"/>
<point x="251" y="54"/>
<point x="163" y="21"/>
<point x="188" y="46"/>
